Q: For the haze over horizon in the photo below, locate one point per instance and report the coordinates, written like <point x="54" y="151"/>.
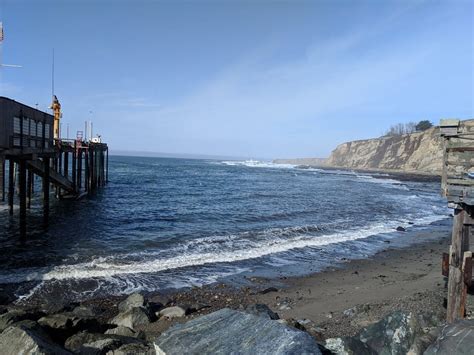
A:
<point x="244" y="79"/>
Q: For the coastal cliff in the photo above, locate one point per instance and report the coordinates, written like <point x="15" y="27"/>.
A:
<point x="419" y="152"/>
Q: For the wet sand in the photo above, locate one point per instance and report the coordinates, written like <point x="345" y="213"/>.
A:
<point x="339" y="301"/>
<point x="407" y="279"/>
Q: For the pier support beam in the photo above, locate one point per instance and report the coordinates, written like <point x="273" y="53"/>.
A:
<point x="74" y="167"/>
<point x="22" y="183"/>
<point x="29" y="191"/>
<point x="11" y="184"/>
<point x="46" y="192"/>
<point x="459" y="273"/>
<point x="2" y="178"/>
<point x="107" y="166"/>
<point x="87" y="172"/>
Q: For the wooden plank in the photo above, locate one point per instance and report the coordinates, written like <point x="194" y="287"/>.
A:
<point x="467" y="268"/>
<point x="462" y="182"/>
<point x="461" y="148"/>
<point x="457" y="289"/>
<point x="445" y="265"/>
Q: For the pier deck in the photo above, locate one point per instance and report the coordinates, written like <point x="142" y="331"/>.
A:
<point x="73" y="168"/>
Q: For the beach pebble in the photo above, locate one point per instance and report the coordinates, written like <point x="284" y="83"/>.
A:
<point x="284" y="307"/>
<point x="172" y="312"/>
<point x="268" y="290"/>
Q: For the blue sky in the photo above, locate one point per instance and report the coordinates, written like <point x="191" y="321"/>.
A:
<point x="241" y="78"/>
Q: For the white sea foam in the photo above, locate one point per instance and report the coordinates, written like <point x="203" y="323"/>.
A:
<point x="258" y="164"/>
<point x="185" y="257"/>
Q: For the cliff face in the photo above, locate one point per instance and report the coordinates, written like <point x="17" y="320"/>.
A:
<point x="419" y="152"/>
<point x="416" y="152"/>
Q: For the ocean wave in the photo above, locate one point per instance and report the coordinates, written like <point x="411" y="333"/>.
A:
<point x="239" y="249"/>
<point x="257" y="164"/>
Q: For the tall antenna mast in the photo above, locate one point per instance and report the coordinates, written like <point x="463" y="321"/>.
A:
<point x="52" y="77"/>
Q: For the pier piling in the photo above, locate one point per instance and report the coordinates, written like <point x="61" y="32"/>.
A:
<point x="22" y="183"/>
<point x="11" y="184"/>
<point x="2" y="177"/>
<point x="31" y="148"/>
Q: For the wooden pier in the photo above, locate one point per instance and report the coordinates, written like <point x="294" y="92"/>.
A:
<point x="28" y="148"/>
<point x="457" y="185"/>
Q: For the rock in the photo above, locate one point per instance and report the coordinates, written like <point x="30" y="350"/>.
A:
<point x="397" y="333"/>
<point x="261" y="310"/>
<point x="172" y="312"/>
<point x="456" y="338"/>
<point x="62" y="325"/>
<point x="57" y="321"/>
<point x="124" y="331"/>
<point x="100" y="347"/>
<point x="15" y="316"/>
<point x="132" y="318"/>
<point x="308" y="326"/>
<point x="132" y="301"/>
<point x="350" y="312"/>
<point x="22" y="339"/>
<point x="401" y="229"/>
<point x="228" y="331"/>
<point x="87" y="311"/>
<point x="75" y="342"/>
<point x="348" y="346"/>
<point x="133" y="349"/>
<point x="268" y="290"/>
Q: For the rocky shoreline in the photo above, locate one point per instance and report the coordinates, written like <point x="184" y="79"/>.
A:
<point x="390" y="303"/>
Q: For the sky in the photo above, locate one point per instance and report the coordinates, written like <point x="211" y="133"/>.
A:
<point x="256" y="79"/>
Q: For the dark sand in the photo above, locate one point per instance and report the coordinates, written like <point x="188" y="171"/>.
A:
<point x="394" y="279"/>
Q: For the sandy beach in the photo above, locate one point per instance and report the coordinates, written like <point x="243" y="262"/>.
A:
<point x="340" y="302"/>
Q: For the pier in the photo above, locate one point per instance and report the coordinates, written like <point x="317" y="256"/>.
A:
<point x="457" y="185"/>
<point x="30" y="145"/>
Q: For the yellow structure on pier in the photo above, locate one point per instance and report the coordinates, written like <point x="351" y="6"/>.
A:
<point x="56" y="107"/>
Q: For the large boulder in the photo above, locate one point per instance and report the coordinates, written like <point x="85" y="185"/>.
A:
<point x="132" y="301"/>
<point x="397" y="333"/>
<point x="87" y="311"/>
<point x="23" y="339"/>
<point x="14" y="316"/>
<point x="456" y="338"/>
<point x="124" y="331"/>
<point x="100" y="347"/>
<point x="228" y="331"/>
<point x="62" y="325"/>
<point x="133" y="349"/>
<point x="75" y="342"/>
<point x="132" y="318"/>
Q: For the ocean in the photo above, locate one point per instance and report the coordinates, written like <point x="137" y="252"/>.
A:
<point x="164" y="223"/>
